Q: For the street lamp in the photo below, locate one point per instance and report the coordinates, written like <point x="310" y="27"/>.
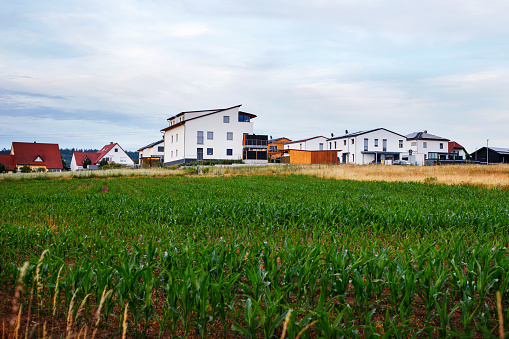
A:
<point x="487" y="160"/>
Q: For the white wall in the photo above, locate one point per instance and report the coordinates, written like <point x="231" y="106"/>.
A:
<point x="152" y="151"/>
<point x="74" y="166"/>
<point x="355" y="150"/>
<point x="119" y="156"/>
<point x="309" y="145"/>
<point x="187" y="145"/>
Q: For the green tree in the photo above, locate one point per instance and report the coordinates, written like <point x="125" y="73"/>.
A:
<point x="103" y="162"/>
<point x="86" y="162"/>
<point x="64" y="163"/>
<point x="26" y="169"/>
<point x="2" y="168"/>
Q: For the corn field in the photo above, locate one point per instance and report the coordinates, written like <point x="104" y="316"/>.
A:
<point x="252" y="257"/>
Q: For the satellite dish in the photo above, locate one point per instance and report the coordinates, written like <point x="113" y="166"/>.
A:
<point x="332" y="135"/>
<point x="346" y="131"/>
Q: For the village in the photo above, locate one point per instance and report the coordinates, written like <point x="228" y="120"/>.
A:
<point x="226" y="136"/>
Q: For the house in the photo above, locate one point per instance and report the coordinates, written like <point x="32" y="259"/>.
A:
<point x="216" y="134"/>
<point x="456" y="151"/>
<point x="302" y="157"/>
<point x="8" y="161"/>
<point x="112" y="153"/>
<point x="318" y="143"/>
<point x="276" y="147"/>
<point x="423" y="146"/>
<point x="374" y="146"/>
<point x="493" y="155"/>
<point x="37" y="156"/>
<point x="152" y="154"/>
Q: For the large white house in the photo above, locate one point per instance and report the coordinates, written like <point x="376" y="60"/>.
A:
<point x="422" y="146"/>
<point x="152" y="154"/>
<point x="376" y="145"/>
<point x="216" y="134"/>
<point x="318" y="143"/>
<point x="111" y="153"/>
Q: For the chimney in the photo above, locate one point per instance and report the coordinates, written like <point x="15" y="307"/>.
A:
<point x="111" y="142"/>
<point x="425" y="131"/>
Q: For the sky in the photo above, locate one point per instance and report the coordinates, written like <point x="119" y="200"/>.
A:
<point x="85" y="73"/>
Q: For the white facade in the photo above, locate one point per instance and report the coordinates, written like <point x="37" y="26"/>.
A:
<point x="206" y="135"/>
<point x="117" y="155"/>
<point x="379" y="145"/>
<point x="422" y="146"/>
<point x="312" y="144"/>
<point x="154" y="150"/>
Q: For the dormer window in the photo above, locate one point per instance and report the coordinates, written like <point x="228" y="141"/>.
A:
<point x="38" y="159"/>
<point x="243" y="118"/>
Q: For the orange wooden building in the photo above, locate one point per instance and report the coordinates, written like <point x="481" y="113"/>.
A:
<point x="310" y="157"/>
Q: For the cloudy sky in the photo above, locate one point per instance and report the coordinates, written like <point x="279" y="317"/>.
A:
<point x="84" y="73"/>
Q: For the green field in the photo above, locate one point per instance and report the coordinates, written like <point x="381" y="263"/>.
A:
<point x="230" y="256"/>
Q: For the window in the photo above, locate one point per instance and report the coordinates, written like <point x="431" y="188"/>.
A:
<point x="176" y="137"/>
<point x="300" y="146"/>
<point x="353" y="141"/>
<point x="229" y="151"/>
<point x="226" y="119"/>
<point x="116" y="149"/>
<point x="272" y="148"/>
<point x="160" y="149"/>
<point x="210" y="151"/>
<point x="366" y="144"/>
<point x="243" y="118"/>
<point x="353" y="157"/>
<point x="176" y="153"/>
<point x="401" y="144"/>
<point x="320" y="146"/>
<point x="344" y="142"/>
<point x="441" y="146"/>
<point x="330" y="145"/>
<point x="414" y="143"/>
<point x="425" y="145"/>
<point x="335" y="145"/>
<point x="210" y="135"/>
<point x="200" y="138"/>
<point x="199" y="153"/>
<point x="384" y="141"/>
<point x="229" y="135"/>
<point x="172" y="139"/>
<point x="376" y="142"/>
<point x="172" y="154"/>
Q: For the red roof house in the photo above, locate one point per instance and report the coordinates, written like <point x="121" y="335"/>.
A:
<point x="37" y="155"/>
<point x="8" y="161"/>
<point x="112" y="153"/>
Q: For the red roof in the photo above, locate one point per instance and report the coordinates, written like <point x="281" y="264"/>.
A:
<point x="8" y="161"/>
<point x="80" y="157"/>
<point x="453" y="145"/>
<point x="25" y="153"/>
<point x="102" y="152"/>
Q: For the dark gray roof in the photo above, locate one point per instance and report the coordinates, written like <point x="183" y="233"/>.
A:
<point x="152" y="144"/>
<point x="424" y="136"/>
<point x="500" y="150"/>
<point x="364" y="132"/>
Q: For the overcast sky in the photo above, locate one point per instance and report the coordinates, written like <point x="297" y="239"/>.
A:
<point x="84" y="73"/>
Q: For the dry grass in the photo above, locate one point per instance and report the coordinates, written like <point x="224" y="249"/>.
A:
<point x="493" y="176"/>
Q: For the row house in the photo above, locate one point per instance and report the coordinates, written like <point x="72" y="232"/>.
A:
<point x="374" y="146"/>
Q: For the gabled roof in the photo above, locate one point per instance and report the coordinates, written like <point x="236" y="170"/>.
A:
<point x="454" y="145"/>
<point x="79" y="157"/>
<point x="304" y="140"/>
<point x="424" y="136"/>
<point x="355" y="134"/>
<point x="151" y="145"/>
<point x="209" y="112"/>
<point x="26" y="152"/>
<point x="500" y="150"/>
<point x="8" y="161"/>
